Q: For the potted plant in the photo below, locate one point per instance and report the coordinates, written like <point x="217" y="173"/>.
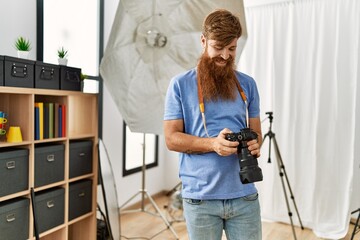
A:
<point x="89" y="85"/>
<point x="23" y="46"/>
<point x="83" y="76"/>
<point x="62" y="54"/>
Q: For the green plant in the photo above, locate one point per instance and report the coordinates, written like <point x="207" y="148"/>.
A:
<point x="62" y="53"/>
<point x="22" y="44"/>
<point x="83" y="76"/>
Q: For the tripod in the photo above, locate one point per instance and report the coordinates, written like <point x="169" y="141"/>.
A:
<point x="357" y="226"/>
<point x="145" y="194"/>
<point x="271" y="135"/>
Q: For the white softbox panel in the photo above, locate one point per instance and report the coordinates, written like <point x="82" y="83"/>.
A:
<point x="150" y="42"/>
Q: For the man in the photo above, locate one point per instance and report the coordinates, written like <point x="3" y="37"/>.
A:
<point x="202" y="106"/>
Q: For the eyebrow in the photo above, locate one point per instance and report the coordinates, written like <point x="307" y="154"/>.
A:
<point x="216" y="45"/>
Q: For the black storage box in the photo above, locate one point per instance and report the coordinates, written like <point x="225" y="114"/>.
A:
<point x="49" y="164"/>
<point x="14" y="219"/>
<point x="19" y="72"/>
<point x="70" y="78"/>
<point x="80" y="196"/>
<point x="50" y="208"/>
<point x="80" y="158"/>
<point x="47" y="75"/>
<point x="14" y="170"/>
<point x="1" y="70"/>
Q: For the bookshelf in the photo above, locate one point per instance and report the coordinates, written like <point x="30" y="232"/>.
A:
<point x="81" y="125"/>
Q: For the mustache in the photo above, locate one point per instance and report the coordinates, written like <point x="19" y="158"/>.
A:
<point x="230" y="59"/>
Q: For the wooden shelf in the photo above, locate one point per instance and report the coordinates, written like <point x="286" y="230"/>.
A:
<point x="81" y="124"/>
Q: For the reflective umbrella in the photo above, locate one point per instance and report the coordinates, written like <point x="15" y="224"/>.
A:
<point x="150" y="42"/>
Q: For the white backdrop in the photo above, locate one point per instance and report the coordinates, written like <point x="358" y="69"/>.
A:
<point x="304" y="56"/>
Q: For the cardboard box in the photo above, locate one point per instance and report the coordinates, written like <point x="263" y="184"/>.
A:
<point x="70" y="78"/>
<point x="49" y="164"/>
<point x="50" y="208"/>
<point x="14" y="170"/>
<point x="47" y="75"/>
<point x="14" y="219"/>
<point x="80" y="196"/>
<point x="80" y="158"/>
<point x="18" y="72"/>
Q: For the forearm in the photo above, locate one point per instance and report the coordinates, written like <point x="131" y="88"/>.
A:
<point x="182" y="142"/>
<point x="255" y="125"/>
<point x="177" y="140"/>
<point x="259" y="138"/>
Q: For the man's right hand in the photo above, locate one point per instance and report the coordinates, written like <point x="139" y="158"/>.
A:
<point x="222" y="146"/>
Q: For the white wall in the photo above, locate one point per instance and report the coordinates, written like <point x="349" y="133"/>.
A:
<point x="18" y="18"/>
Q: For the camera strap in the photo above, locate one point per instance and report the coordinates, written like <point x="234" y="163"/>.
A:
<point x="202" y="105"/>
<point x="243" y="96"/>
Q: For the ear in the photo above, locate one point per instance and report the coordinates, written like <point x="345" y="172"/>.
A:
<point x="203" y="41"/>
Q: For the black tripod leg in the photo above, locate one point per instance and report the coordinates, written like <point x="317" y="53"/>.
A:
<point x="281" y="173"/>
<point x="265" y="136"/>
<point x="288" y="183"/>
<point x="357" y="226"/>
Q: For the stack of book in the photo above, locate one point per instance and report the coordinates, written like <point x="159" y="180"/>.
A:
<point x="50" y="120"/>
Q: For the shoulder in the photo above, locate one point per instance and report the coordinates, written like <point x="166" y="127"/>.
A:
<point x="184" y="76"/>
<point x="244" y="77"/>
<point x="248" y="84"/>
<point x="184" y="79"/>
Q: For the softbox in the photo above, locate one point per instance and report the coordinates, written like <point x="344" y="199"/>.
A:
<point x="150" y="42"/>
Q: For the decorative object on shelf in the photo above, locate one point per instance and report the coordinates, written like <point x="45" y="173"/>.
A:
<point x="3" y="121"/>
<point x="14" y="134"/>
<point x="89" y="85"/>
<point x="83" y="76"/>
<point x="62" y="54"/>
<point x="23" y="47"/>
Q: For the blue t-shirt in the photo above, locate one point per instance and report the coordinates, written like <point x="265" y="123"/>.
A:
<point x="209" y="175"/>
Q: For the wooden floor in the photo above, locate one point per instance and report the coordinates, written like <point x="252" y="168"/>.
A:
<point x="146" y="224"/>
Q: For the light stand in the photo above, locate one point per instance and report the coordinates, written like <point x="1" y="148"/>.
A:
<point x="173" y="189"/>
<point x="282" y="173"/>
<point x="357" y="226"/>
<point x="145" y="194"/>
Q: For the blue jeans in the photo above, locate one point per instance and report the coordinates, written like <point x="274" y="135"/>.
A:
<point x="240" y="218"/>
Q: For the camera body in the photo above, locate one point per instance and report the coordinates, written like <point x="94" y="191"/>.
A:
<point x="249" y="169"/>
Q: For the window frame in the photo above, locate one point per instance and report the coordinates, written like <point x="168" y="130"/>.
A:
<point x="127" y="172"/>
<point x="40" y="50"/>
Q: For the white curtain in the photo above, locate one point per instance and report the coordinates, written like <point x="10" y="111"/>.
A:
<point x="304" y="56"/>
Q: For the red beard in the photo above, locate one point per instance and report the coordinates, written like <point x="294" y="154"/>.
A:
<point x="217" y="82"/>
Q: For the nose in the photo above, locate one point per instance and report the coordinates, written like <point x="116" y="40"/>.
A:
<point x="225" y="54"/>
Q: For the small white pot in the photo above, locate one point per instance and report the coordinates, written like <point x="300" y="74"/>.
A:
<point x="23" y="54"/>
<point x="90" y="86"/>
<point x="62" y="61"/>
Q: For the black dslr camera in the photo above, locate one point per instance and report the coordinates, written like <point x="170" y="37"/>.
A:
<point x="249" y="169"/>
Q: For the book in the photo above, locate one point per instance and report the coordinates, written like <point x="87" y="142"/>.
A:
<point x="40" y="105"/>
<point x="56" y="120"/>
<point x="37" y="124"/>
<point x="63" y="122"/>
<point x="51" y="120"/>
<point x="60" y="121"/>
<point x="46" y="120"/>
